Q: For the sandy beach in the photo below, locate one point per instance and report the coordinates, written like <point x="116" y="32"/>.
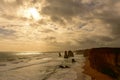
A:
<point x="84" y="76"/>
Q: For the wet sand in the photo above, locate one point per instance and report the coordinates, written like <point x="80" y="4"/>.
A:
<point x="81" y="76"/>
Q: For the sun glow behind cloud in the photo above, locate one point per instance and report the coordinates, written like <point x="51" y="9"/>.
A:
<point x="30" y="13"/>
<point x="58" y="24"/>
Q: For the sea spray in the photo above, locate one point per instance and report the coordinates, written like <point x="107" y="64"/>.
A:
<point x="44" y="68"/>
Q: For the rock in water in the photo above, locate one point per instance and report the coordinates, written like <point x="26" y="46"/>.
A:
<point x="60" y="55"/>
<point x="62" y="66"/>
<point x="73" y="60"/>
<point x="65" y="54"/>
<point x="70" y="54"/>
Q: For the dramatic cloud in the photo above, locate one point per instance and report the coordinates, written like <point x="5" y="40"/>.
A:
<point x="6" y="32"/>
<point x="60" y="24"/>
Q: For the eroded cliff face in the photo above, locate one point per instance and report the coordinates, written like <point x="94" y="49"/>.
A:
<point x="105" y="60"/>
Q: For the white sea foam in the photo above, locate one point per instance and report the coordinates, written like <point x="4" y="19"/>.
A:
<point x="43" y="67"/>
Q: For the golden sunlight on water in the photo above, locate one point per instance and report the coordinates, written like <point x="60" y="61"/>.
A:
<point x="28" y="53"/>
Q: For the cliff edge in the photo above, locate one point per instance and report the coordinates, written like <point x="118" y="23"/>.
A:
<point x="105" y="60"/>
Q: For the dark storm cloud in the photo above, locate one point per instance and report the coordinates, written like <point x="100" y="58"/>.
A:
<point x="111" y="15"/>
<point x="115" y="25"/>
<point x="50" y="38"/>
<point x="19" y="2"/>
<point x="47" y="31"/>
<point x="66" y="9"/>
<point x="57" y="20"/>
<point x="67" y="23"/>
<point x="6" y="32"/>
<point x="114" y="21"/>
<point x="87" y="42"/>
<point x="94" y="42"/>
<point x="104" y="38"/>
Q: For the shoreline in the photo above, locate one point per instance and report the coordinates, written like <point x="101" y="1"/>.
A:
<point x="80" y="72"/>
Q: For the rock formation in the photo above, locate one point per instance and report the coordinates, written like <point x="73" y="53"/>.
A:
<point x="106" y="60"/>
<point x="65" y="54"/>
<point x="60" y="54"/>
<point x="70" y="54"/>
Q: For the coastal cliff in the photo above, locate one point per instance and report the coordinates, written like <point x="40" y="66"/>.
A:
<point x="105" y="60"/>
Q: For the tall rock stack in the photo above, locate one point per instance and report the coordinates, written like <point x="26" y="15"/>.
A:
<point x="65" y="54"/>
<point x="70" y="54"/>
<point x="59" y="54"/>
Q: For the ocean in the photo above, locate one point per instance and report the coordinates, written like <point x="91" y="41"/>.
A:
<point x="39" y="66"/>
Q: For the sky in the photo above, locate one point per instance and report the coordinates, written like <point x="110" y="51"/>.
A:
<point x="53" y="25"/>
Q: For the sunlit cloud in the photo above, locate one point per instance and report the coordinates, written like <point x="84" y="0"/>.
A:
<point x="30" y="13"/>
<point x="60" y="24"/>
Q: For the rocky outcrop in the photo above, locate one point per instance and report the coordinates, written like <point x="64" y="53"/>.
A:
<point x="105" y="60"/>
<point x="65" y="54"/>
<point x="79" y="52"/>
<point x="70" y="54"/>
<point x="59" y="54"/>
